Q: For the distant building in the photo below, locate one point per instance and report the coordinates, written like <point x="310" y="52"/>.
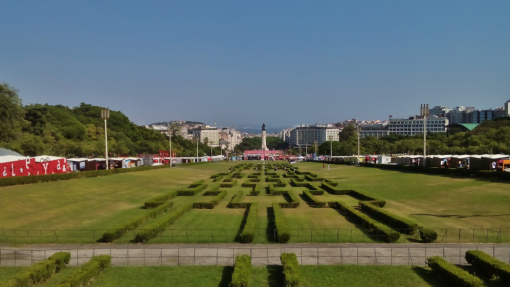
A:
<point x="374" y="130"/>
<point x="308" y="135"/>
<point x="413" y="126"/>
<point x="212" y="135"/>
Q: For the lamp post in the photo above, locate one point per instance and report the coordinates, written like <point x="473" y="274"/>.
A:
<point x="330" y="148"/>
<point x="424" y="111"/>
<point x="105" y="114"/>
<point x="197" y="151"/>
<point x="358" y="130"/>
<point x="170" y="140"/>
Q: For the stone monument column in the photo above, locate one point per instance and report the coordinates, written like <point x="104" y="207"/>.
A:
<point x="264" y="146"/>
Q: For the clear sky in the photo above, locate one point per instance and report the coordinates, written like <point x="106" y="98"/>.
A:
<point x="248" y="62"/>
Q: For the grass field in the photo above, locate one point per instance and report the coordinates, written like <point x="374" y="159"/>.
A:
<point x="39" y="212"/>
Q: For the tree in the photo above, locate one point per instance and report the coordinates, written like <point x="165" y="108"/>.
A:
<point x="12" y="113"/>
<point x="206" y="141"/>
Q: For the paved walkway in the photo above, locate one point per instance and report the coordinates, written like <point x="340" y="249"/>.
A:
<point x="262" y="254"/>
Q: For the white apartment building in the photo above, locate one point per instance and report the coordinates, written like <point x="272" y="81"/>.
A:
<point x="414" y="126"/>
<point x="308" y="135"/>
<point x="212" y="135"/>
<point x="374" y="130"/>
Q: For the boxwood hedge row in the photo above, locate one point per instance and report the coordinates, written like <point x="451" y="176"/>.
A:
<point x="84" y="274"/>
<point x="228" y="183"/>
<point x="219" y="195"/>
<point x="119" y="231"/>
<point x="313" y="177"/>
<point x="294" y="200"/>
<point x="298" y="182"/>
<point x="242" y="271"/>
<point x="256" y="190"/>
<point x="333" y="189"/>
<point x="387" y="218"/>
<point x="192" y="190"/>
<point x="235" y="202"/>
<point x="311" y="198"/>
<point x="389" y="234"/>
<point x="38" y="272"/>
<point x="248" y="232"/>
<point x="281" y="226"/>
<point x="489" y="266"/>
<point x="453" y="274"/>
<point x="155" y="228"/>
<point x="314" y="190"/>
<point x="291" y="272"/>
<point x="159" y="200"/>
<point x="7" y="181"/>
<point x="427" y="235"/>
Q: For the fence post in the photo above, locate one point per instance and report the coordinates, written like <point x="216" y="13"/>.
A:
<point x="459" y="234"/>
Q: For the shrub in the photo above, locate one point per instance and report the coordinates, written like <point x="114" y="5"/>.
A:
<point x="389" y="219"/>
<point x="389" y="234"/>
<point x="238" y="175"/>
<point x="159" y="225"/>
<point x="330" y="182"/>
<point x="159" y="200"/>
<point x="248" y="183"/>
<point x="427" y="235"/>
<point x="218" y="195"/>
<point x="235" y="202"/>
<point x="298" y="182"/>
<point x="242" y="271"/>
<point x="218" y="179"/>
<point x="192" y="190"/>
<point x="82" y="276"/>
<point x="360" y="195"/>
<point x="248" y="232"/>
<point x="228" y="183"/>
<point x="215" y="176"/>
<point x="38" y="272"/>
<point x="311" y="177"/>
<point x="119" y="231"/>
<point x="256" y="190"/>
<point x="316" y="203"/>
<point x="281" y="226"/>
<point x="489" y="266"/>
<point x="453" y="274"/>
<point x="314" y="190"/>
<point x="290" y="266"/>
<point x="333" y="189"/>
<point x="294" y="200"/>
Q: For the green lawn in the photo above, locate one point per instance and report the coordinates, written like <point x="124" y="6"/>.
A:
<point x="44" y="213"/>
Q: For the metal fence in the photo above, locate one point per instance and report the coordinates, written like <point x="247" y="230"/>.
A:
<point x="260" y="256"/>
<point x="262" y="235"/>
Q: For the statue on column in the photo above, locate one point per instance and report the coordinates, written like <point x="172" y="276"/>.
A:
<point x="264" y="147"/>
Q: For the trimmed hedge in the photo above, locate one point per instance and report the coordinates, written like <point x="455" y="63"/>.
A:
<point x="333" y="189"/>
<point x="219" y="195"/>
<point x="281" y="226"/>
<point x="298" y="182"/>
<point x="290" y="266"/>
<point x="118" y="232"/>
<point x="242" y="271"/>
<point x="330" y="182"/>
<point x="235" y="202"/>
<point x="228" y="183"/>
<point x="218" y="179"/>
<point x="82" y="276"/>
<point x="249" y="183"/>
<point x="38" y="272"/>
<point x="238" y="175"/>
<point x="389" y="234"/>
<point x="7" y="181"/>
<point x="489" y="266"/>
<point x="192" y="190"/>
<point x="314" y="190"/>
<point x="387" y="218"/>
<point x="453" y="274"/>
<point x="316" y="203"/>
<point x="159" y="226"/>
<point x="427" y="235"/>
<point x="311" y="177"/>
<point x="256" y="190"/>
<point x="248" y="232"/>
<point x="294" y="200"/>
<point x="159" y="200"/>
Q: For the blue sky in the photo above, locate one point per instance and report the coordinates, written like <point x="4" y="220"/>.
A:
<point x="248" y="62"/>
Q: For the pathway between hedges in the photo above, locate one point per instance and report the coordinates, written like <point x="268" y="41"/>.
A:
<point x="262" y="254"/>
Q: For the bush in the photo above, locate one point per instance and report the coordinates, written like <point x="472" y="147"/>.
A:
<point x="361" y="196"/>
<point x="333" y="189"/>
<point x="389" y="219"/>
<point x="192" y="190"/>
<point x="281" y="226"/>
<point x="38" y="272"/>
<point x="290" y="266"/>
<point x="118" y="232"/>
<point x="218" y="179"/>
<point x="316" y="203"/>
<point x="238" y="175"/>
<point x="248" y="232"/>
<point x="159" y="200"/>
<point x="314" y="190"/>
<point x="294" y="200"/>
<point x="389" y="234"/>
<point x="330" y="182"/>
<point x="154" y="229"/>
<point x="489" y="266"/>
<point x="213" y="202"/>
<point x="453" y="274"/>
<point x="298" y="182"/>
<point x="82" y="276"/>
<point x="427" y="235"/>
<point x="311" y="177"/>
<point x="228" y="183"/>
<point x="242" y="271"/>
<point x="256" y="190"/>
<point x="235" y="202"/>
<point x="7" y="181"/>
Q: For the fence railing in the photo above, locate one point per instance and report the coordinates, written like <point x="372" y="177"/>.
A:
<point x="262" y="235"/>
<point x="415" y="256"/>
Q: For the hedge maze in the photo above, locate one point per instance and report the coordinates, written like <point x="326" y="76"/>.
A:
<point x="265" y="192"/>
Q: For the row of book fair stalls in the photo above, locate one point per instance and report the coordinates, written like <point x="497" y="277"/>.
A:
<point x="12" y="165"/>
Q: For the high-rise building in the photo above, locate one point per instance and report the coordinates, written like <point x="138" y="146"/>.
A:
<point x="212" y="135"/>
<point x="413" y="126"/>
<point x="308" y="135"/>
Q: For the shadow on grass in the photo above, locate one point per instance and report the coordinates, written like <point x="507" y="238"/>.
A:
<point x="271" y="227"/>
<point x="305" y="199"/>
<point x="430" y="277"/>
<point x="488" y="282"/>
<point x="459" y="216"/>
<point x="275" y="277"/>
<point x="226" y="276"/>
<point x="241" y="227"/>
<point x="369" y="234"/>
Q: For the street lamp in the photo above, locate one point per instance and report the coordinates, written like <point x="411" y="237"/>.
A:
<point x="105" y="114"/>
<point x="170" y="140"/>
<point x="358" y="131"/>
<point x="424" y="111"/>
<point x="330" y="148"/>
